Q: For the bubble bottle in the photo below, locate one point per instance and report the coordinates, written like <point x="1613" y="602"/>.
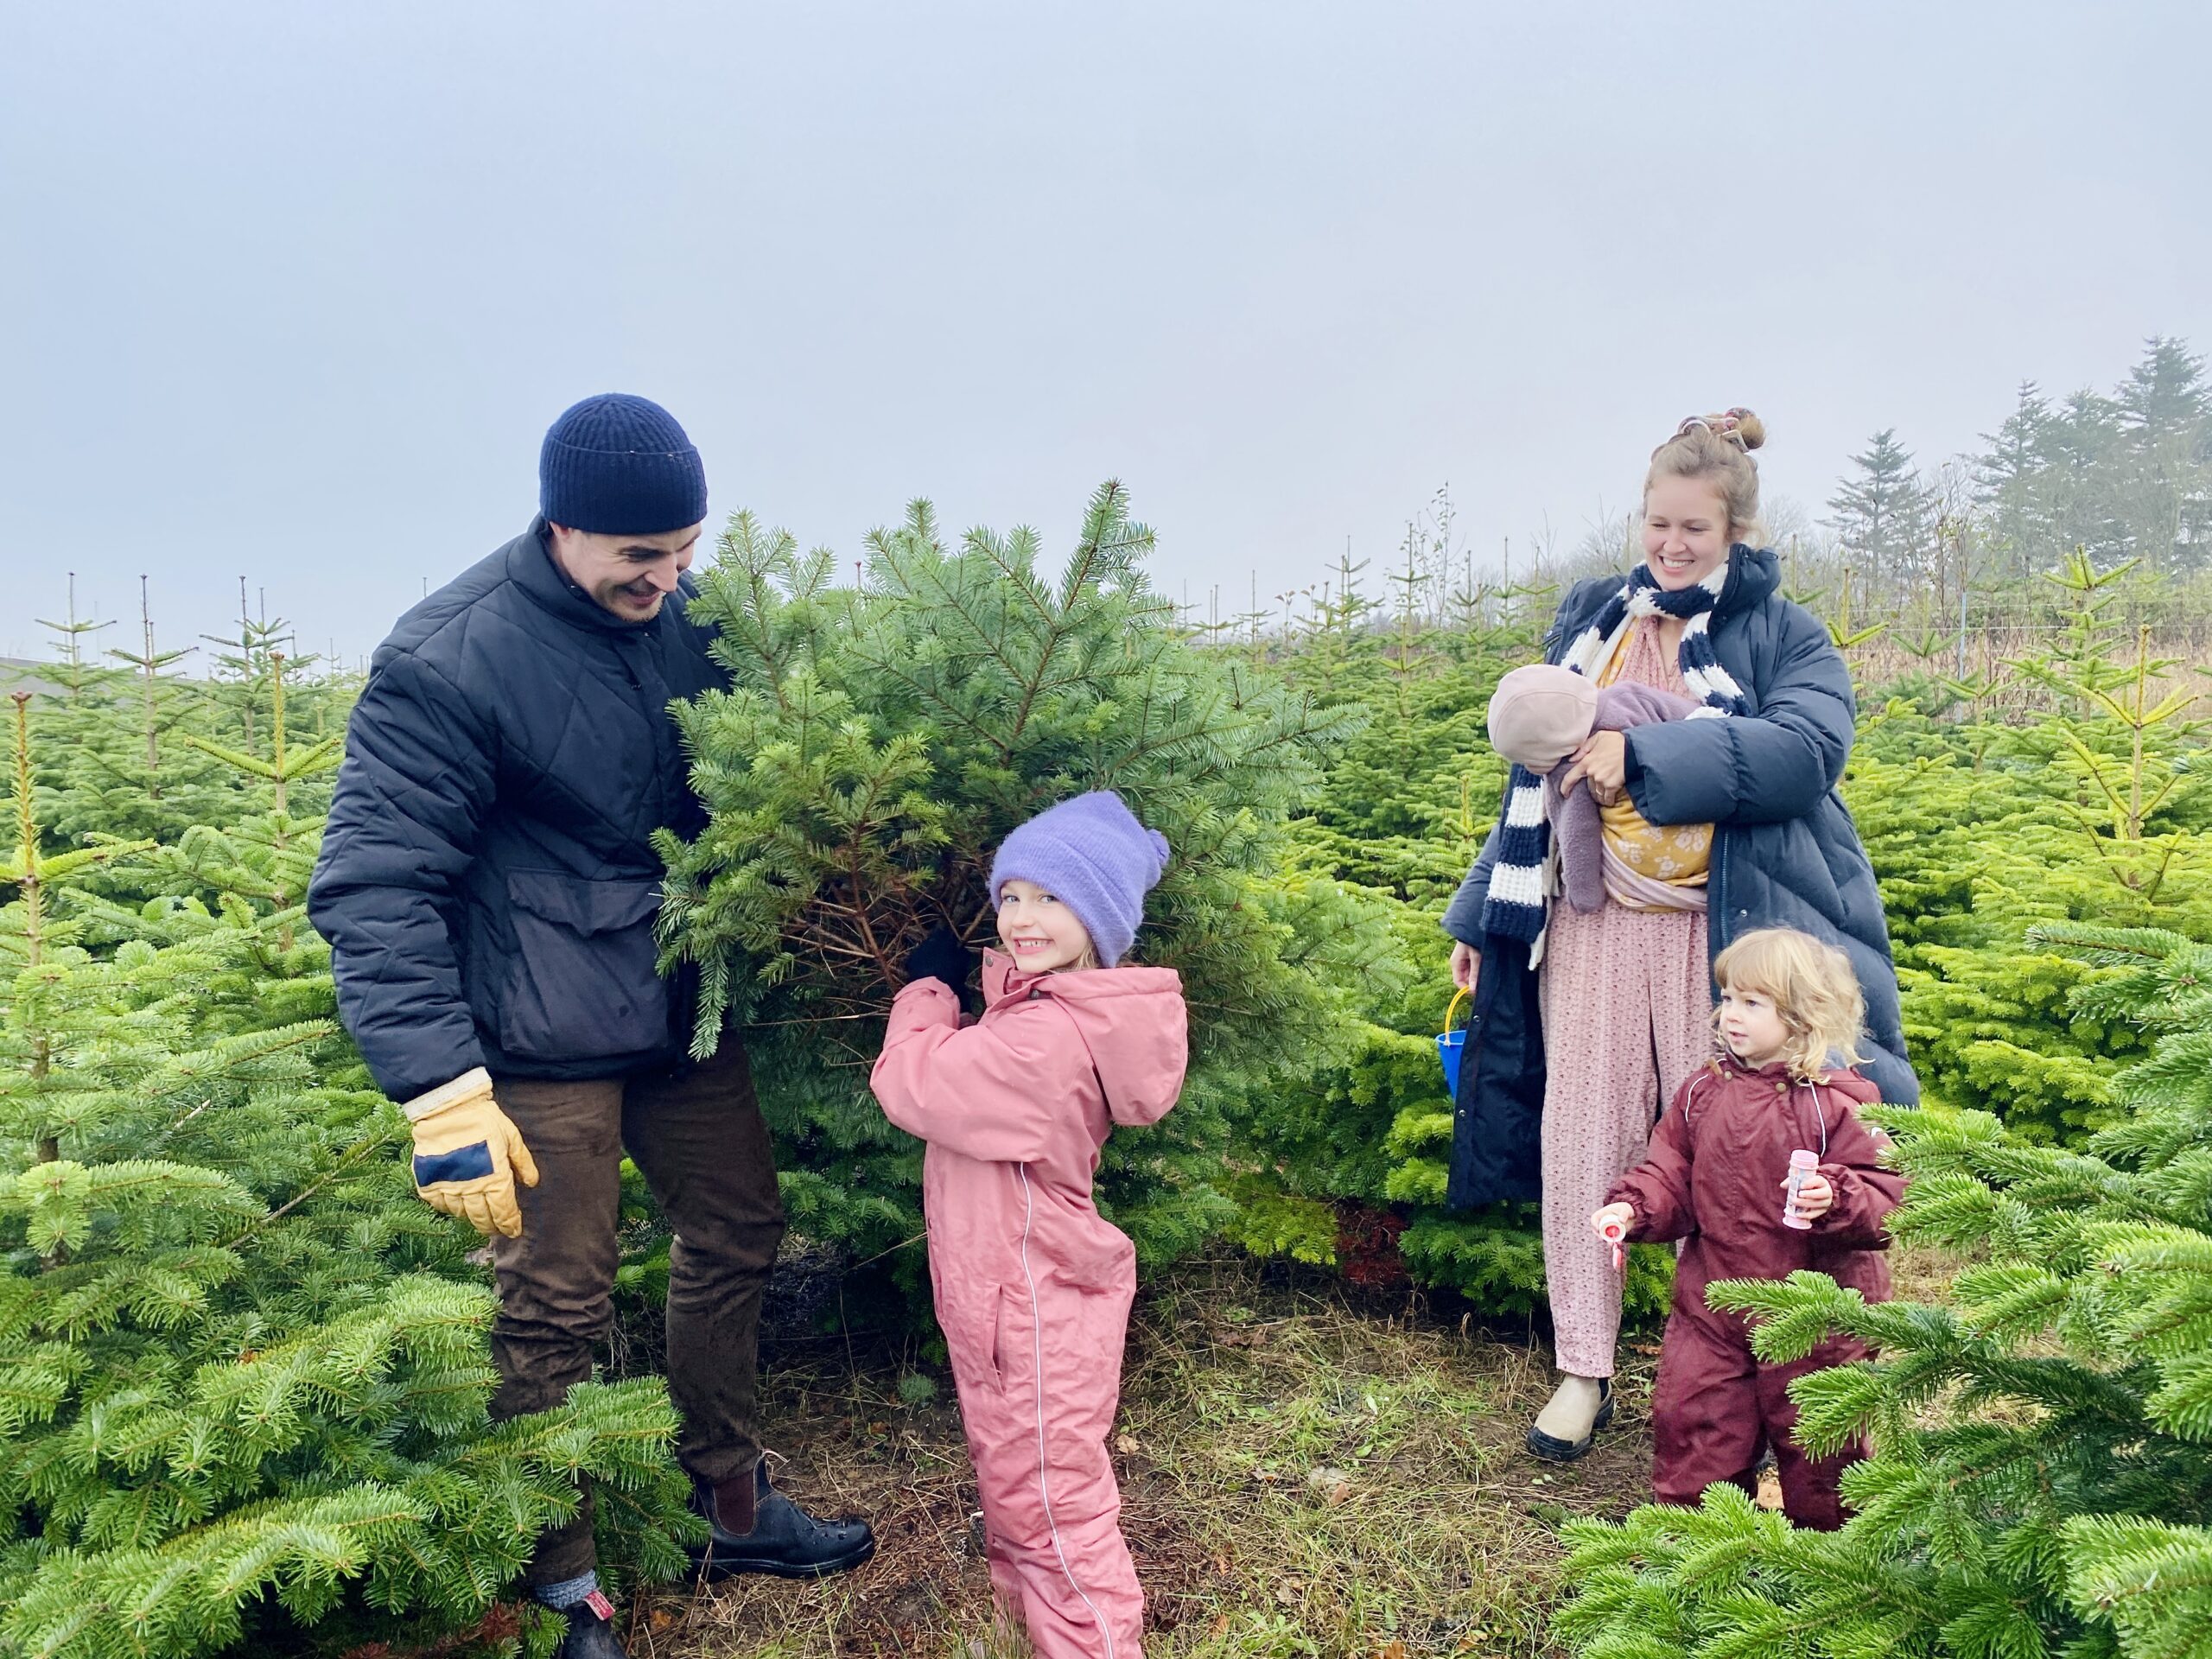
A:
<point x="1802" y="1164"/>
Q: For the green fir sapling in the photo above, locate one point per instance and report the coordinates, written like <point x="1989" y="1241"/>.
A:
<point x="243" y="1374"/>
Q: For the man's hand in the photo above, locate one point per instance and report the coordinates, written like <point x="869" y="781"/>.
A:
<point x="1466" y="963"/>
<point x="1603" y="762"/>
<point x="468" y="1154"/>
<point x="941" y="956"/>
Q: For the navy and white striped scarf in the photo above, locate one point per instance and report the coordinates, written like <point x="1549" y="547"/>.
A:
<point x="1518" y="901"/>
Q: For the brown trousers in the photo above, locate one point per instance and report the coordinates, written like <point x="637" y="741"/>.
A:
<point x="697" y="1135"/>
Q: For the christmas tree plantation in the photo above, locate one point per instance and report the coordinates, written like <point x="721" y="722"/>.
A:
<point x="2097" y="811"/>
<point x="243" y="1372"/>
<point x="876" y="744"/>
<point x="2041" y="1477"/>
<point x="1404" y="808"/>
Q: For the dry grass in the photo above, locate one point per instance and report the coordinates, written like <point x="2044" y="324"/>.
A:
<point x="1302" y="1474"/>
<point x="1305" y="1471"/>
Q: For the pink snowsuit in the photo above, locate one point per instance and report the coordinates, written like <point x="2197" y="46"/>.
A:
<point x="1033" y="1286"/>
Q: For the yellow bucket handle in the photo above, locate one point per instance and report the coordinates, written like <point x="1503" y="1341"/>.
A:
<point x="1454" y="1008"/>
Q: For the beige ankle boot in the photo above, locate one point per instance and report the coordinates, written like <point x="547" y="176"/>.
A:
<point x="1579" y="1407"/>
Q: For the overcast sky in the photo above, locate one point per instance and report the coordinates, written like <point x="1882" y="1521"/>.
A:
<point x="292" y="291"/>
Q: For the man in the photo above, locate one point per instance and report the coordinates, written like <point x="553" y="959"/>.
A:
<point x="488" y="887"/>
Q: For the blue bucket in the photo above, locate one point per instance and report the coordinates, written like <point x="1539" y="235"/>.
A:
<point x="1450" y="1044"/>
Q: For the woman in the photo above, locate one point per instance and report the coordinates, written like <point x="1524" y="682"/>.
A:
<point x="1713" y="825"/>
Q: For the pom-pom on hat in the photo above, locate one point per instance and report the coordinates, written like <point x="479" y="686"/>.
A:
<point x="619" y="466"/>
<point x="1092" y="855"/>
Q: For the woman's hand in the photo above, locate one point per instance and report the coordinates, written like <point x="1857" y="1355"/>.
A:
<point x="1603" y="762"/>
<point x="1465" y="963"/>
<point x="1619" y="1215"/>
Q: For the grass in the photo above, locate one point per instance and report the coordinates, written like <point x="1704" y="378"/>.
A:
<point x="1304" y="1473"/>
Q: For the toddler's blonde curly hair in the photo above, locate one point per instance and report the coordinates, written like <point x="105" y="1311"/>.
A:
<point x="1813" y="989"/>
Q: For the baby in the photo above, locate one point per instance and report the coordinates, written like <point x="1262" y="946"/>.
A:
<point x="1539" y="716"/>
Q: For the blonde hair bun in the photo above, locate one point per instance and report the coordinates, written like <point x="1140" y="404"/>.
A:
<point x="1737" y="427"/>
<point x="1717" y="449"/>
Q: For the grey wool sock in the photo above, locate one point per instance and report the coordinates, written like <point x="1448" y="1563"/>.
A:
<point x="568" y="1593"/>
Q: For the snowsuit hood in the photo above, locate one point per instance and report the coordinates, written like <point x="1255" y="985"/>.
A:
<point x="1727" y="1070"/>
<point x="1131" y="1019"/>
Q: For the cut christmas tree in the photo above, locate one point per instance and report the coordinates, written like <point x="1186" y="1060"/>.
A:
<point x="877" y="742"/>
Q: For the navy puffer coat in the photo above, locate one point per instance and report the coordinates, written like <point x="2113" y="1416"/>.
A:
<point x="1785" y="854"/>
<point x="487" y="881"/>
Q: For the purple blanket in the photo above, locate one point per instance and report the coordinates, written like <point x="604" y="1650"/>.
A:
<point x="1575" y="818"/>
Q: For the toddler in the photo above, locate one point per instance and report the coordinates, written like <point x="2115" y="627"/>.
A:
<point x="1716" y="1176"/>
<point x="1032" y="1285"/>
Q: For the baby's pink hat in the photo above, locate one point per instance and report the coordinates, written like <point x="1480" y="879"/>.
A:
<point x="1542" y="713"/>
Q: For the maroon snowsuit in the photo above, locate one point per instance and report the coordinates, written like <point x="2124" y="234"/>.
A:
<point x="1713" y="1176"/>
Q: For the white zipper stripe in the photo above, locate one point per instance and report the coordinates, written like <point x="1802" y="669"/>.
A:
<point x="1037" y="1344"/>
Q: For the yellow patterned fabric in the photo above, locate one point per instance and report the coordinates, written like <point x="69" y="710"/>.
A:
<point x="1674" y="854"/>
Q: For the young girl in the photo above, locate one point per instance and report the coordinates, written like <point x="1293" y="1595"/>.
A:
<point x="1032" y="1285"/>
<point x="1716" y="1174"/>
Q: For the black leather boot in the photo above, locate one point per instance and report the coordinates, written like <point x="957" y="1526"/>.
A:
<point x="591" y="1632"/>
<point x="785" y="1540"/>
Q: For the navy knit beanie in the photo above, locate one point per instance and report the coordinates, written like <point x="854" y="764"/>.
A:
<point x="621" y="466"/>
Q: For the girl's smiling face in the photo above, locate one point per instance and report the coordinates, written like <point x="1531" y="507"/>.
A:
<point x="1039" y="932"/>
<point x="1752" y="1026"/>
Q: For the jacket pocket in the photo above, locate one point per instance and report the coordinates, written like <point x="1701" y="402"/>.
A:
<point x="1012" y="1334"/>
<point x="582" y="985"/>
<point x="1094" y="1268"/>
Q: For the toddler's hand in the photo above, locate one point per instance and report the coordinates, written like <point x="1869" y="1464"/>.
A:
<point x="1623" y="1215"/>
<point x="1815" y="1198"/>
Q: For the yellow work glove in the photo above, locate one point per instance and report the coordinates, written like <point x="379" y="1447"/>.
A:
<point x="468" y="1154"/>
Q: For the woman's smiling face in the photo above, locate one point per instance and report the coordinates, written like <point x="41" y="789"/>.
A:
<point x="1038" y="931"/>
<point x="1685" y="530"/>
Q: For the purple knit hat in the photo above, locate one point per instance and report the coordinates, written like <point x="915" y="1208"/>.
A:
<point x="1092" y="855"/>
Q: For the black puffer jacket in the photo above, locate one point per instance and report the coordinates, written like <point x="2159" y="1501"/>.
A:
<point x="487" y="881"/>
<point x="1785" y="854"/>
